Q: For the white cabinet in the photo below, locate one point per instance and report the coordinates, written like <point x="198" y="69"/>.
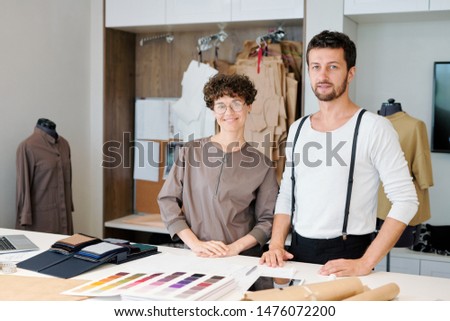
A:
<point x="436" y="5"/>
<point x="352" y="7"/>
<point x="434" y="268"/>
<point x="141" y="13"/>
<point x="197" y="11"/>
<point x="251" y="10"/>
<point x="404" y="265"/>
<point x="132" y="13"/>
<point x="381" y="266"/>
<point x="403" y="260"/>
<point x="400" y="265"/>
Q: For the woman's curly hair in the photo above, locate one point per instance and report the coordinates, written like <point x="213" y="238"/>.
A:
<point x="234" y="85"/>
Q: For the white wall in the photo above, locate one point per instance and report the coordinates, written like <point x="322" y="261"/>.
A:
<point x="330" y="19"/>
<point x="45" y="71"/>
<point x="395" y="60"/>
<point x="92" y="221"/>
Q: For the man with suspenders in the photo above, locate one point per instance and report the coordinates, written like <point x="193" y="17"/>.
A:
<point x="335" y="159"/>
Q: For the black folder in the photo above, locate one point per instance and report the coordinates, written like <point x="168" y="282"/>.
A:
<point x="76" y="265"/>
<point x="43" y="260"/>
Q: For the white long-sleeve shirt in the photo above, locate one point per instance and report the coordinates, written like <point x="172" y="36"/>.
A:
<point x="322" y="163"/>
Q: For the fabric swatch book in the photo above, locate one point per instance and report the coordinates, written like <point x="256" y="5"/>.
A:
<point x="60" y="251"/>
<point x="79" y="253"/>
<point x="179" y="286"/>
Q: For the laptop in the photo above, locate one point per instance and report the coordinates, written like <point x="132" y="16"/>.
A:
<point x="16" y="243"/>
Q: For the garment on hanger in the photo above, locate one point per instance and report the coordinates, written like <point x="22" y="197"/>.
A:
<point x="276" y="104"/>
<point x="193" y="119"/>
<point x="414" y="142"/>
<point x="266" y="126"/>
<point x="44" y="182"/>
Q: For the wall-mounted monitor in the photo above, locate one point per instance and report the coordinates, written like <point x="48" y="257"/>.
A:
<point x="440" y="136"/>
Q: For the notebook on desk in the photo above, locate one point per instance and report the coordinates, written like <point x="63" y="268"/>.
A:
<point x="16" y="243"/>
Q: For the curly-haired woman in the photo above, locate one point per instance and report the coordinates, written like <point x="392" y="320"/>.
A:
<point x="220" y="194"/>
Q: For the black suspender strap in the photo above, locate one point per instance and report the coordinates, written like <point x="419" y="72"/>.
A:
<point x="293" y="167"/>
<point x="350" y="175"/>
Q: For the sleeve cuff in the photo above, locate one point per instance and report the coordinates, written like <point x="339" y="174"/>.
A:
<point x="176" y="227"/>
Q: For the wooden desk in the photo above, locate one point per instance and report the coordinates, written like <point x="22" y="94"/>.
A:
<point x="139" y="222"/>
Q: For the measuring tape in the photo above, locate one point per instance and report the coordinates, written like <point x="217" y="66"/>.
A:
<point x="8" y="267"/>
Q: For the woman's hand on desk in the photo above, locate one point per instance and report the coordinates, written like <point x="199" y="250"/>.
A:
<point x="210" y="248"/>
<point x="202" y="248"/>
<point x="217" y="249"/>
<point x="214" y="248"/>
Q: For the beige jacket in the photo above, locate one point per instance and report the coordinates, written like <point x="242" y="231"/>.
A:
<point x="414" y="142"/>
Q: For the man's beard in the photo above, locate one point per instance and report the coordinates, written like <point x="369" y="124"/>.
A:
<point x="335" y="93"/>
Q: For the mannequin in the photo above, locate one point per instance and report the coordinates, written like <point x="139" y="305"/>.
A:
<point x="44" y="181"/>
<point x="389" y="108"/>
<point x="414" y="141"/>
<point x="48" y="126"/>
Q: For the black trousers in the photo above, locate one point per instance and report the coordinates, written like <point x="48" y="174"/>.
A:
<point x="257" y="251"/>
<point x="320" y="251"/>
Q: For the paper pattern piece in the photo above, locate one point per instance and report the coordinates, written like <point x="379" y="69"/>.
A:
<point x="386" y="292"/>
<point x="158" y="286"/>
<point x="325" y="291"/>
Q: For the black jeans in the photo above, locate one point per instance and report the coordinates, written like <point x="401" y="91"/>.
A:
<point x="320" y="251"/>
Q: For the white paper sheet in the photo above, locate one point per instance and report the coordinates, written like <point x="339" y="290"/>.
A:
<point x="18" y="256"/>
<point x="152" y="119"/>
<point x="146" y="160"/>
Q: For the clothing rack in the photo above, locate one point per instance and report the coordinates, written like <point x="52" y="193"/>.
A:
<point x="207" y="42"/>
<point x="271" y="37"/>
<point x="168" y="36"/>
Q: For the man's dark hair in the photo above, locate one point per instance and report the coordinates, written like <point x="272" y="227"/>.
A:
<point x="335" y="40"/>
<point x="234" y="85"/>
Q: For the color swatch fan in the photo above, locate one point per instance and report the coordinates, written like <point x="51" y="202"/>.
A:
<point x="159" y="286"/>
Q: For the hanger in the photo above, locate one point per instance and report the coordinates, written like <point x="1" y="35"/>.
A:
<point x="271" y="37"/>
<point x="211" y="41"/>
<point x="262" y="41"/>
<point x="168" y="36"/>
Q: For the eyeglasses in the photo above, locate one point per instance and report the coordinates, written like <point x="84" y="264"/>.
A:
<point x="221" y="108"/>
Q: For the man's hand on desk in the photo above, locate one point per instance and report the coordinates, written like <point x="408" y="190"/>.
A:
<point x="275" y="257"/>
<point x="343" y="267"/>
